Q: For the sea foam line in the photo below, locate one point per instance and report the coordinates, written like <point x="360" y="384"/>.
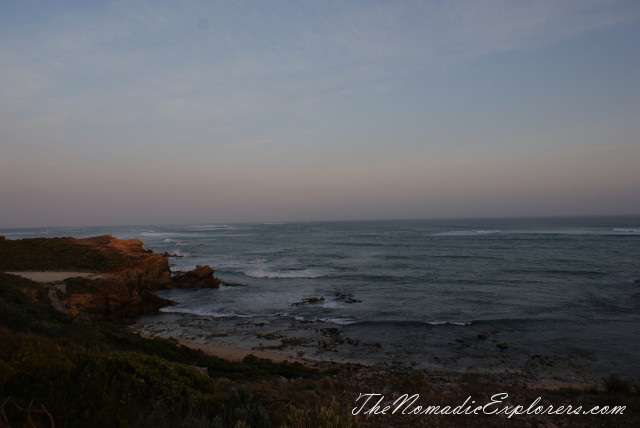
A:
<point x="213" y="314"/>
<point x="306" y="273"/>
<point x="626" y="230"/>
<point x="467" y="232"/>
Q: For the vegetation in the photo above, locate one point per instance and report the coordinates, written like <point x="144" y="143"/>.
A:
<point x="78" y="372"/>
<point x="57" y="254"/>
<point x="320" y="416"/>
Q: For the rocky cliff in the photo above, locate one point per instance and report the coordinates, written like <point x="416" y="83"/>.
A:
<point x="129" y="274"/>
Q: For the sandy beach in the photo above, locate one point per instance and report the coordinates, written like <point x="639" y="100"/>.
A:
<point x="237" y="354"/>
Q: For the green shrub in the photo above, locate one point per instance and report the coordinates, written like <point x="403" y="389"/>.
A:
<point x="243" y="410"/>
<point x="320" y="417"/>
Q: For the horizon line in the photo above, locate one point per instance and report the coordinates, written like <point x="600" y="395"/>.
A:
<point x="380" y="220"/>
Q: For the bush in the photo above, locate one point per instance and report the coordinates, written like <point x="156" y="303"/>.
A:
<point x="614" y="384"/>
<point x="320" y="417"/>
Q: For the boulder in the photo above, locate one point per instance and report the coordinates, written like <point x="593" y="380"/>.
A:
<point x="201" y="276"/>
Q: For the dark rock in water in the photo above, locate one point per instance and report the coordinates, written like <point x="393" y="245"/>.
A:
<point x="233" y="284"/>
<point x="637" y="281"/>
<point x="201" y="276"/>
<point x="308" y="300"/>
<point x="347" y="298"/>
<point x="171" y="255"/>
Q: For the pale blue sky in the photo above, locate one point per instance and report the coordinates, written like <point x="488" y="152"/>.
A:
<point x="197" y="112"/>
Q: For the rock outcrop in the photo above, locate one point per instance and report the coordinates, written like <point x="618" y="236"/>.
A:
<point x="130" y="274"/>
<point x="201" y="276"/>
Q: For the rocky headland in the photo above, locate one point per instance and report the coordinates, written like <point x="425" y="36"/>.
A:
<point x="109" y="278"/>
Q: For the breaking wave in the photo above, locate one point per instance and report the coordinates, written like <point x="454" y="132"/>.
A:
<point x="204" y="312"/>
<point x="626" y="230"/>
<point x="467" y="232"/>
<point x="303" y="273"/>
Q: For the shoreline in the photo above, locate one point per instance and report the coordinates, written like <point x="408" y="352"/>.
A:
<point x="436" y="377"/>
<point x="234" y="354"/>
<point x="325" y="347"/>
<point x="237" y="354"/>
<point x="206" y="357"/>
<point x="327" y="338"/>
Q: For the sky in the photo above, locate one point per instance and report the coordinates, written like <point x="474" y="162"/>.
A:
<point x="184" y="112"/>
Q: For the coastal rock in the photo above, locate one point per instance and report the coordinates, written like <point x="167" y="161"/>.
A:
<point x="201" y="276"/>
<point x="127" y="291"/>
<point x="308" y="300"/>
<point x="129" y="274"/>
<point x="125" y="245"/>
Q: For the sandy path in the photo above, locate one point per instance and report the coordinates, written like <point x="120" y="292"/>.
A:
<point x="53" y="276"/>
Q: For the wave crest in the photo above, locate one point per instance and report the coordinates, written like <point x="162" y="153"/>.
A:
<point x="467" y="232"/>
<point x="304" y="273"/>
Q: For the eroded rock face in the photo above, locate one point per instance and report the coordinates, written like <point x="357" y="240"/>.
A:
<point x="131" y="274"/>
<point x="127" y="290"/>
<point x="201" y="276"/>
<point x="126" y="245"/>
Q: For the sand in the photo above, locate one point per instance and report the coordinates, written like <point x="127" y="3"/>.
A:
<point x="54" y="276"/>
<point x="237" y="354"/>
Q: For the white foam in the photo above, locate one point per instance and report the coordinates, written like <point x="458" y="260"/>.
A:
<point x="260" y="273"/>
<point x="626" y="230"/>
<point x="332" y="304"/>
<point x="156" y="234"/>
<point x="337" y="320"/>
<point x="331" y="320"/>
<point x="461" y="324"/>
<point x="215" y="227"/>
<point x="203" y="312"/>
<point x="467" y="232"/>
<point x="597" y="232"/>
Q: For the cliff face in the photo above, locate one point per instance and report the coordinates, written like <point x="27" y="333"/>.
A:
<point x="130" y="274"/>
<point x="127" y="290"/>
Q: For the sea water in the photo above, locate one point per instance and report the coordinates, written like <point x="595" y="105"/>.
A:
<point x="552" y="297"/>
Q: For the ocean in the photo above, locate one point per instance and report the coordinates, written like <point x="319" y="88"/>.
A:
<point x="545" y="297"/>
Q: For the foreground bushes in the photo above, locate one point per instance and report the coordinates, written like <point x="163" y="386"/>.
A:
<point x="80" y="373"/>
<point x="113" y="389"/>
